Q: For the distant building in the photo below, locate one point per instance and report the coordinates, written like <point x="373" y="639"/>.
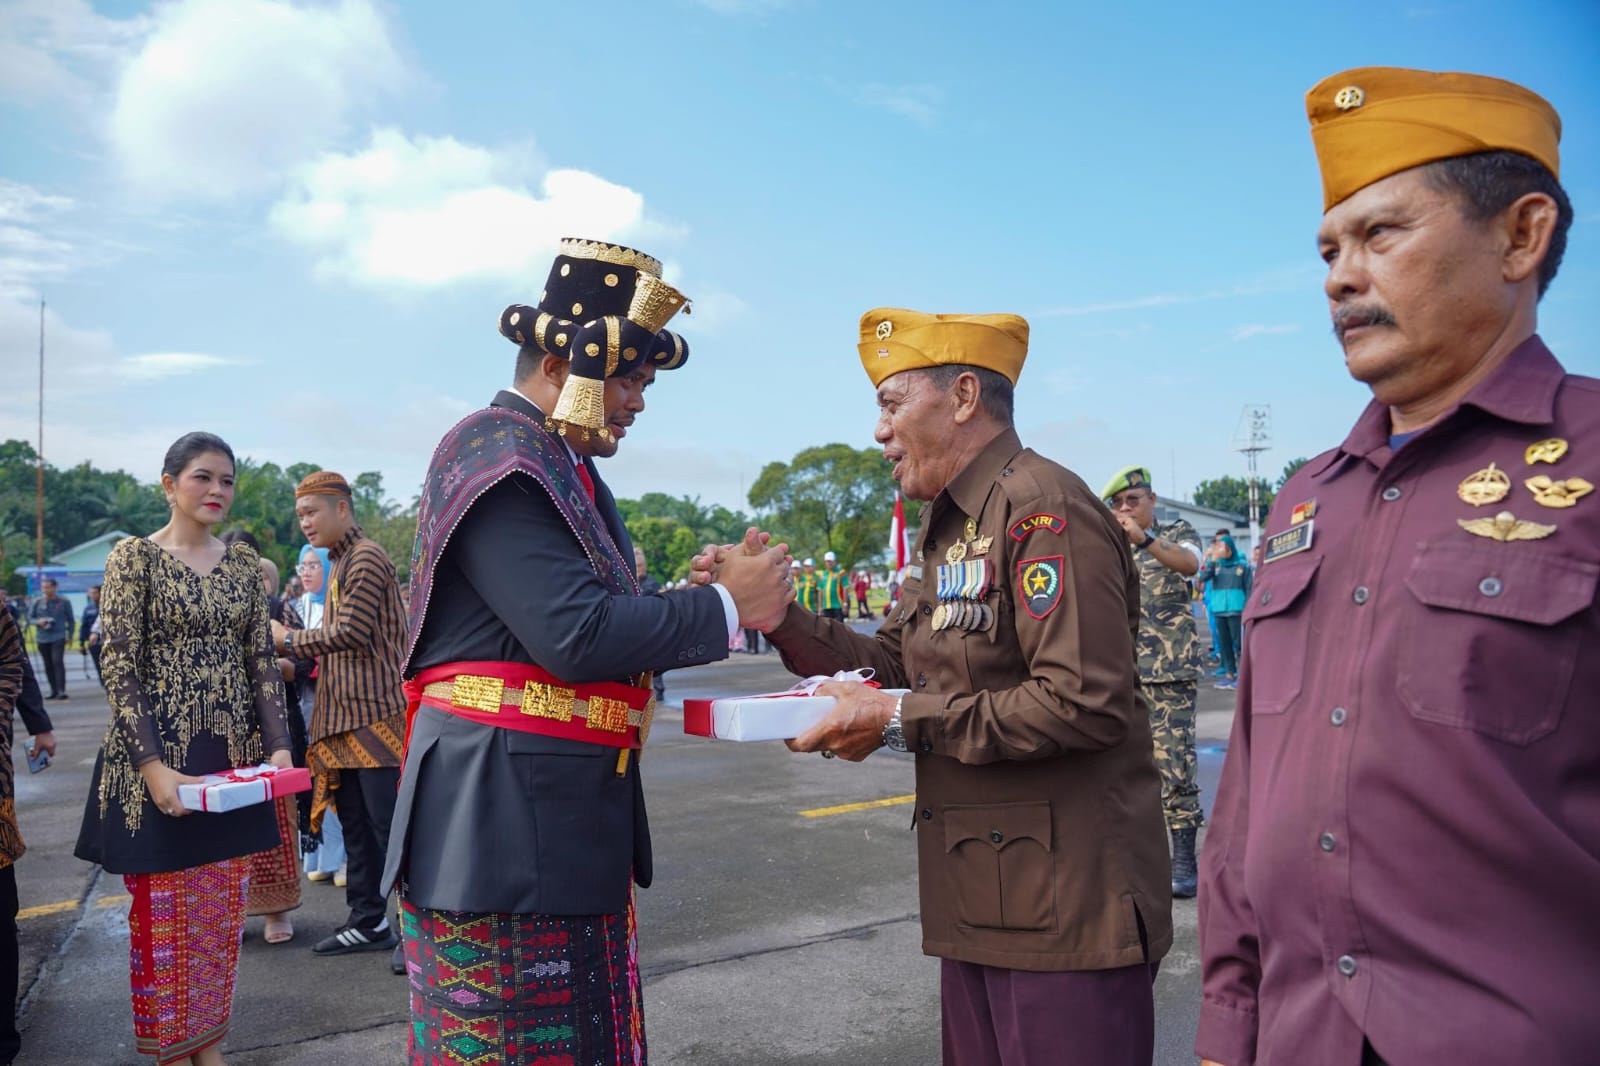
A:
<point x="75" y="569"/>
<point x="1207" y="520"/>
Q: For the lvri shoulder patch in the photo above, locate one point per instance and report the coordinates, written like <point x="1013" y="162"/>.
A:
<point x="1039" y="584"/>
<point x="1050" y="523"/>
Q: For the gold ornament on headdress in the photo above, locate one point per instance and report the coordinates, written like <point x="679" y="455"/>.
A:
<point x="654" y="303"/>
<point x="1548" y="492"/>
<point x="615" y="254"/>
<point x="1505" y="526"/>
<point x="1487" y="486"/>
<point x="582" y="406"/>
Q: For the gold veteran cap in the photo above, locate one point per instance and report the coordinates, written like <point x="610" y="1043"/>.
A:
<point x="1372" y="122"/>
<point x="894" y="339"/>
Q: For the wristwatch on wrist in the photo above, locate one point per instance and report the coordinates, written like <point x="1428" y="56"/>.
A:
<point x="894" y="737"/>
<point x="1149" y="539"/>
<point x="288" y="643"/>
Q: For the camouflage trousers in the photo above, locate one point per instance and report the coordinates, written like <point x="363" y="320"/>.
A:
<point x="1172" y="726"/>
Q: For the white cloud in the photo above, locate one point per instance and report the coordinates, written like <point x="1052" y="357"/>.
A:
<point x="742" y="7"/>
<point x="223" y="96"/>
<point x="1257" y="329"/>
<point x="153" y="366"/>
<point x="27" y="255"/>
<point x="919" y="103"/>
<point x="62" y="51"/>
<point x="427" y="211"/>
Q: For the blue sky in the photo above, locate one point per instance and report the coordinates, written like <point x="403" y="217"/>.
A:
<point x="295" y="224"/>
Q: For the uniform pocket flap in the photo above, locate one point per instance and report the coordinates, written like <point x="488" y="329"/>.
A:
<point x="1503" y="580"/>
<point x="998" y="824"/>
<point x="1279" y="585"/>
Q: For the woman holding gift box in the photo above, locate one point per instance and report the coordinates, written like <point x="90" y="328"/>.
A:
<point x="194" y="689"/>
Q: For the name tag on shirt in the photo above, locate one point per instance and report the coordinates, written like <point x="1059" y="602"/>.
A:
<point x="1289" y="542"/>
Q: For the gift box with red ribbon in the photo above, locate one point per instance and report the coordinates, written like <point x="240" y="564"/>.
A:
<point x="242" y="787"/>
<point x="770" y="715"/>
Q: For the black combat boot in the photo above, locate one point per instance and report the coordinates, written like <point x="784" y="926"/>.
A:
<point x="1185" y="872"/>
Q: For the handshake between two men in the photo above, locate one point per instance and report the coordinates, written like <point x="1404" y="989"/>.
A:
<point x="855" y="727"/>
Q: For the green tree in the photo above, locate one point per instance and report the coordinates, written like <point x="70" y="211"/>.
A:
<point x="1289" y="470"/>
<point x="1232" y="494"/>
<point x="668" y="545"/>
<point x="832" y="497"/>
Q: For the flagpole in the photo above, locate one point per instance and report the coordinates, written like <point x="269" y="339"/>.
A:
<point x="38" y="518"/>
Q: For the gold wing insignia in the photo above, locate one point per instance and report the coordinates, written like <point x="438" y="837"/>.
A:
<point x="1505" y="526"/>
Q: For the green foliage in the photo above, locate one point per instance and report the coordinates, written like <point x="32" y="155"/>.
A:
<point x="1232" y="494"/>
<point x="671" y="529"/>
<point x="83" y="502"/>
<point x="1289" y="470"/>
<point x="832" y="497"/>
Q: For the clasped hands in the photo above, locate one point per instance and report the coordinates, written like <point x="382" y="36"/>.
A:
<point x="755" y="573"/>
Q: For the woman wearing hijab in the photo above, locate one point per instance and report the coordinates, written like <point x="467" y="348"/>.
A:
<point x="326" y="861"/>
<point x="1227" y="576"/>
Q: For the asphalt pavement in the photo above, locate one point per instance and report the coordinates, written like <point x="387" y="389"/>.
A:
<point x="781" y="928"/>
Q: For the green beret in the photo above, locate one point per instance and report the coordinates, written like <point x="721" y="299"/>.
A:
<point x="1133" y="477"/>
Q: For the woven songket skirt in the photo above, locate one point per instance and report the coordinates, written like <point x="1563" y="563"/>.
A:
<point x="275" y="874"/>
<point x="523" y="989"/>
<point x="184" y="955"/>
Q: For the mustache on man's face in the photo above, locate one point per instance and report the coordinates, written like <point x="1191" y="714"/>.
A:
<point x="1355" y="316"/>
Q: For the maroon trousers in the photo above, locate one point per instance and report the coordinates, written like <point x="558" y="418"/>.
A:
<point x="997" y="1017"/>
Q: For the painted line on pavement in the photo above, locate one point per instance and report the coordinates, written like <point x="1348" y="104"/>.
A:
<point x="44" y="910"/>
<point x="850" y="808"/>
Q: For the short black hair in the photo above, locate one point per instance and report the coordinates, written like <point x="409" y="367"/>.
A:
<point x="995" y="392"/>
<point x="189" y="447"/>
<point x="529" y="356"/>
<point x="237" y="534"/>
<point x="1489" y="182"/>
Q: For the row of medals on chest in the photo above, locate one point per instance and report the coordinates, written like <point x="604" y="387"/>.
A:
<point x="1491" y="485"/>
<point x="964" y="582"/>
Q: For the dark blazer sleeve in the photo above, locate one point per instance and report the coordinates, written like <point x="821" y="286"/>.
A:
<point x="30" y="702"/>
<point x="519" y="556"/>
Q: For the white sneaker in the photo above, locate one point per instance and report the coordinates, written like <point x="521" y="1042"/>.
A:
<point x="339" y="879"/>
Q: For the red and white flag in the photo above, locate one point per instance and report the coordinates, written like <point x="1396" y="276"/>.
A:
<point x="899" y="549"/>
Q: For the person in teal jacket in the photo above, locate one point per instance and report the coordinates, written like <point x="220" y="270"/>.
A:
<point x="1226" y="578"/>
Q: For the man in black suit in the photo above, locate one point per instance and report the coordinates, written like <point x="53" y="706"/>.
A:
<point x="520" y="826"/>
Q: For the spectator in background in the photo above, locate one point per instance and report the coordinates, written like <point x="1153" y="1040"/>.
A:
<point x="325" y="855"/>
<point x="1227" y="579"/>
<point x="863" y="586"/>
<point x="51" y="616"/>
<point x="88" y="636"/>
<point x="18" y="690"/>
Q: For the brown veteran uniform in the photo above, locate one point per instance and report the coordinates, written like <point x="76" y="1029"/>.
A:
<point x="1404" y="858"/>
<point x="1042" y="854"/>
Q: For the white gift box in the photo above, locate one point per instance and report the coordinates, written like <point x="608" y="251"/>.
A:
<point x="243" y="787"/>
<point x="768" y="716"/>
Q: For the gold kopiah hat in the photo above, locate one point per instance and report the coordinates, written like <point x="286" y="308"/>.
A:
<point x="895" y="339"/>
<point x="1371" y="122"/>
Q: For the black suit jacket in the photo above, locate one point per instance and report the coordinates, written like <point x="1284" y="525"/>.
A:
<point x="504" y="821"/>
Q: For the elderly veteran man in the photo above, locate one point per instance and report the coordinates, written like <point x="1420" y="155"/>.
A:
<point x="1169" y="655"/>
<point x="1041" y="851"/>
<point x="1404" y="856"/>
<point x="520" y="829"/>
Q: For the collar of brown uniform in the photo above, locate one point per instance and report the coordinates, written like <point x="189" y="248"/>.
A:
<point x="346" y="542"/>
<point x="1523" y="389"/>
<point x="969" y="489"/>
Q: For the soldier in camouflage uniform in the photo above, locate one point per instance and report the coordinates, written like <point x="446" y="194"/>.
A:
<point x="1169" y="655"/>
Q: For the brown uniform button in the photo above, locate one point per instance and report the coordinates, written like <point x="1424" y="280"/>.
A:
<point x="997" y="836"/>
<point x="922" y="680"/>
<point x="927" y="812"/>
<point x="926" y="609"/>
<point x="926" y="745"/>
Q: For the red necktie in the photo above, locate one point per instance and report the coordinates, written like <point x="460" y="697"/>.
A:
<point x="588" y="482"/>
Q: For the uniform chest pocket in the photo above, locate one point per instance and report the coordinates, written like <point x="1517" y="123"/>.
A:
<point x="1491" y="638"/>
<point x="1277" y="623"/>
<point x="999" y="858"/>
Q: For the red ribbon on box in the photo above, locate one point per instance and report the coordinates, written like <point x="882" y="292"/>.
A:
<point x="278" y="781"/>
<point x="697" y="713"/>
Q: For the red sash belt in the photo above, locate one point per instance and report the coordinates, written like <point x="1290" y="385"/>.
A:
<point x="525" y="698"/>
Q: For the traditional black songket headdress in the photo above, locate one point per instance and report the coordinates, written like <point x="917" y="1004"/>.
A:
<point x="604" y="308"/>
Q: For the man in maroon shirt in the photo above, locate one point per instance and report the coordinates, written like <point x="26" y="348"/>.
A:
<point x="1404" y="860"/>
